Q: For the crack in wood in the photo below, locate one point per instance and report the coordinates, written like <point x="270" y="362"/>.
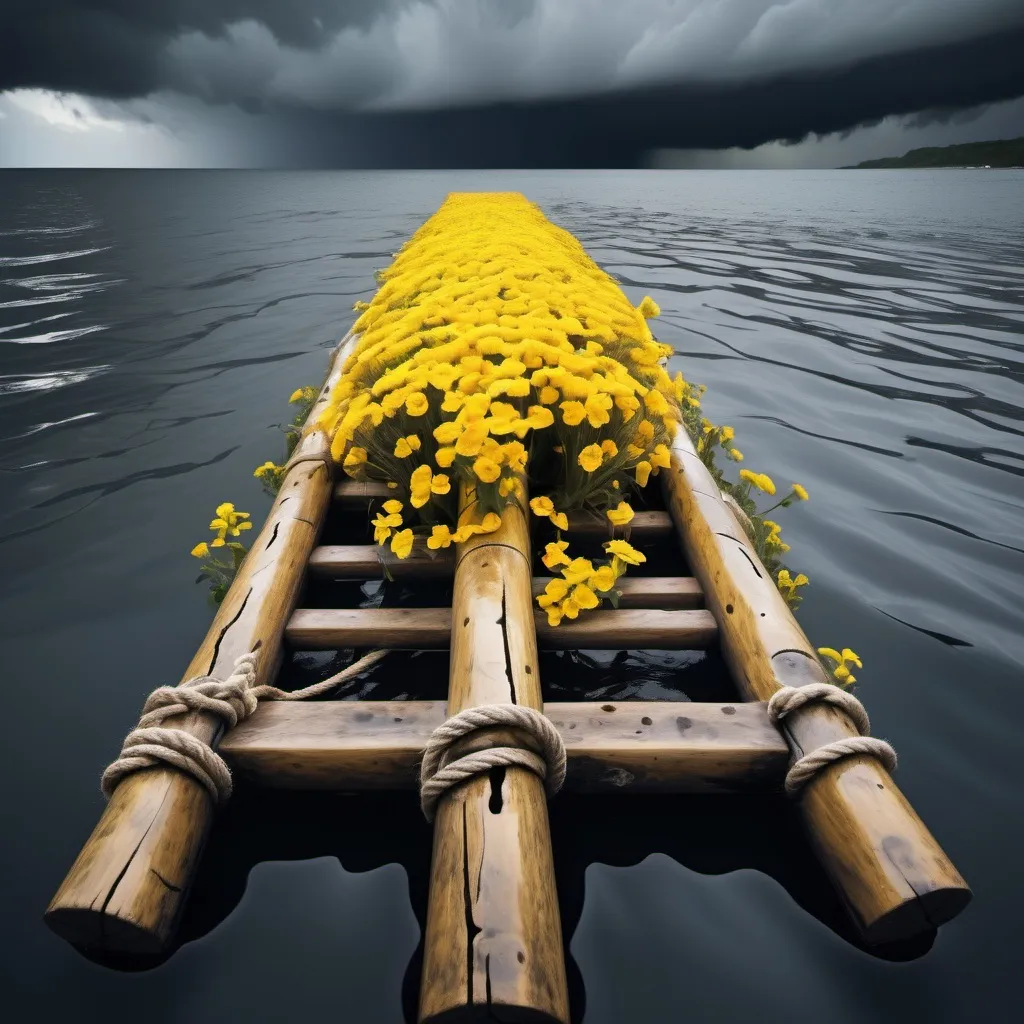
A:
<point x="227" y="626"/>
<point x="472" y="931"/>
<point x="503" y="622"/>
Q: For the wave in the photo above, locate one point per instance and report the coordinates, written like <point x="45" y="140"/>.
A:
<point x="48" y="257"/>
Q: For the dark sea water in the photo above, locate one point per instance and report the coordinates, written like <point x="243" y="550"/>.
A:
<point x="863" y="332"/>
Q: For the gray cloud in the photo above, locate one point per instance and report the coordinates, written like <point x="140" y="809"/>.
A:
<point x="522" y="82"/>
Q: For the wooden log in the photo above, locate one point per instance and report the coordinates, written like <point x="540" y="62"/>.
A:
<point x="492" y="948"/>
<point x="895" y="879"/>
<point x="327" y="629"/>
<point x="124" y="892"/>
<point x="362" y="562"/>
<point x="627" y="747"/>
<point x="646" y="525"/>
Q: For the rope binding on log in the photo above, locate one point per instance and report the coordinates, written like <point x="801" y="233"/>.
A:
<point x="232" y="700"/>
<point x="436" y="777"/>
<point x="804" y="769"/>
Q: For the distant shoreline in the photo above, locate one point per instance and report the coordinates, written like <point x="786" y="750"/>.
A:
<point x="1000" y="154"/>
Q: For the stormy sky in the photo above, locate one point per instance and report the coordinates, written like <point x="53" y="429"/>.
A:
<point x="502" y="83"/>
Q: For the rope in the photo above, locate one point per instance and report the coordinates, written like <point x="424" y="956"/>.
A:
<point x="232" y="700"/>
<point x="790" y="698"/>
<point x="436" y="778"/>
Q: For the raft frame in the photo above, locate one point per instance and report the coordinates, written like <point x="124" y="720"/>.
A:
<point x="493" y="934"/>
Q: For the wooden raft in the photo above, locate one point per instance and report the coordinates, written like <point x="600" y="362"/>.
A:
<point x="493" y="937"/>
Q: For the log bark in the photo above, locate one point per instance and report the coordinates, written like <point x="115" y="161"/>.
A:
<point x="892" y="874"/>
<point x="626" y="747"/>
<point x="124" y="892"/>
<point x="493" y="942"/>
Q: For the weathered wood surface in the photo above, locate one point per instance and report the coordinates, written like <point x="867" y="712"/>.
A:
<point x="326" y="629"/>
<point x="125" y="890"/>
<point x="492" y="947"/>
<point x="626" y="747"/>
<point x="646" y="526"/>
<point x="362" y="562"/>
<point x="892" y="874"/>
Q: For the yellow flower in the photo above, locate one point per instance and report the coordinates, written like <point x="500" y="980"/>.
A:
<point x="296" y="395"/>
<point x="597" y="407"/>
<point x="405" y="446"/>
<point x="621" y="515"/>
<point x="561" y="520"/>
<point x="736" y="455"/>
<point x="383" y="525"/>
<point x="570" y="609"/>
<point x="578" y="570"/>
<point x="801" y="492"/>
<point x="440" y="537"/>
<point x="419" y="486"/>
<point x="542" y="506"/>
<point x="416" y="405"/>
<point x="401" y="543"/>
<point x="471" y="439"/>
<point x="392" y="506"/>
<point x="554" y="593"/>
<point x="515" y="455"/>
<point x="268" y="469"/>
<point x="787" y="585"/>
<point x="444" y="457"/>
<point x="303" y="395"/>
<point x="440" y="484"/>
<point x="841" y="671"/>
<point x="625" y="551"/>
<point x="486" y="469"/>
<point x="645" y="432"/>
<point x="447" y="433"/>
<point x="643" y="473"/>
<point x="554" y="554"/>
<point x="228" y="523"/>
<point x="573" y="413"/>
<point x="584" y="597"/>
<point x="603" y="578"/>
<point x="356" y="457"/>
<point x="849" y="656"/>
<point x="648" y="308"/>
<point x="660" y="457"/>
<point x="538" y="418"/>
<point x="201" y="550"/>
<point x="761" y="481"/>
<point x="727" y="434"/>
<point x="548" y="395"/>
<point x="510" y="485"/>
<point x="609" y="447"/>
<point x="590" y="458"/>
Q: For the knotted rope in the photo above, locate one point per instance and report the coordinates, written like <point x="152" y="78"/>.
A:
<point x="436" y="777"/>
<point x="789" y="698"/>
<point x="232" y="700"/>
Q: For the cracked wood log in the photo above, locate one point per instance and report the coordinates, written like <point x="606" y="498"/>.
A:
<point x="124" y="892"/>
<point x="613" y="748"/>
<point x="891" y="873"/>
<point x="493" y="941"/>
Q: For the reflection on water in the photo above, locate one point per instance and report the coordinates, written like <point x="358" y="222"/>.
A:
<point x="862" y="332"/>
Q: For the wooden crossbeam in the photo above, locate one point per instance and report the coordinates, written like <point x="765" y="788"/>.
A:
<point x="645" y="525"/>
<point x="626" y="747"/>
<point x="361" y="562"/>
<point x="317" y="629"/>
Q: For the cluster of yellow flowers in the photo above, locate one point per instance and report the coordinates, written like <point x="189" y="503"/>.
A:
<point x="496" y="348"/>
<point x="226" y="523"/>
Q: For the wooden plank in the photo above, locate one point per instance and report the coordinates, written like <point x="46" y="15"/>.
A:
<point x="361" y="562"/>
<point x="492" y="945"/>
<point x="327" y="629"/>
<point x="646" y="525"/>
<point x="893" y="875"/>
<point x="124" y="891"/>
<point x="624" y="747"/>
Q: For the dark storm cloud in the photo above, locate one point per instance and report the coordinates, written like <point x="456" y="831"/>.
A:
<point x="619" y="130"/>
<point x="115" y="48"/>
<point x="444" y="83"/>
